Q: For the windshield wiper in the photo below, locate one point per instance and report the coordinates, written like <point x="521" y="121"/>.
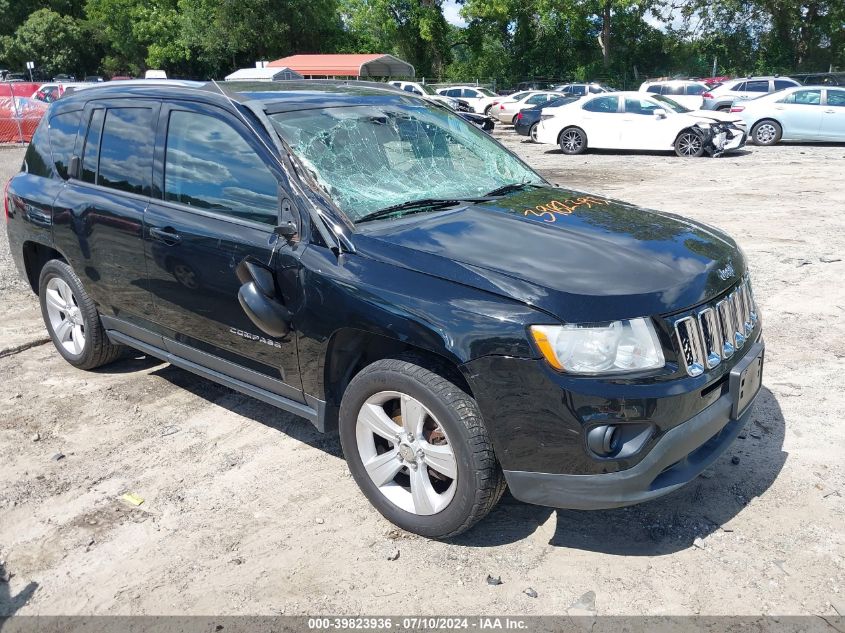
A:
<point x="412" y="206"/>
<point x="514" y="186"/>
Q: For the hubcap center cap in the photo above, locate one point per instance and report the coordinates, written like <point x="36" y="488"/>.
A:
<point x="407" y="452"/>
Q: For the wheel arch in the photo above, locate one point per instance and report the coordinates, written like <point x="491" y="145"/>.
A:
<point x="349" y="350"/>
<point x="766" y="118"/>
<point x="35" y="256"/>
<point x="569" y="127"/>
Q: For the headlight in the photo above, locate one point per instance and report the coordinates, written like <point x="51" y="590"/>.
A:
<point x="543" y="117"/>
<point x="612" y="348"/>
<point x="453" y="104"/>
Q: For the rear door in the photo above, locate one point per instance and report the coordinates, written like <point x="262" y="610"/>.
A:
<point x="800" y="114"/>
<point x="602" y="121"/>
<point x="218" y="198"/>
<point x="833" y="116"/>
<point x="98" y="216"/>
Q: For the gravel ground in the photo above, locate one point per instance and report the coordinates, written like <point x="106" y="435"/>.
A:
<point x="247" y="510"/>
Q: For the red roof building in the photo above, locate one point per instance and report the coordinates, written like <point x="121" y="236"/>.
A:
<point x="342" y="65"/>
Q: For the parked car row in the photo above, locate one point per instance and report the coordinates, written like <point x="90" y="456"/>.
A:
<point x="646" y="120"/>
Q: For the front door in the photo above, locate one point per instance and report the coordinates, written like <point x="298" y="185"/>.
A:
<point x="642" y="129"/>
<point x="833" y="116"/>
<point x="218" y="200"/>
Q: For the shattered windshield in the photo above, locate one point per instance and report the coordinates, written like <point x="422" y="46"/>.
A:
<point x="371" y="157"/>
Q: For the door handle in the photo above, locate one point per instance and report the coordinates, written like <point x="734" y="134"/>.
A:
<point x="830" y="111"/>
<point x="167" y="235"/>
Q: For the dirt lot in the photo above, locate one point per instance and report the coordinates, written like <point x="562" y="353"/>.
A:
<point x="247" y="510"/>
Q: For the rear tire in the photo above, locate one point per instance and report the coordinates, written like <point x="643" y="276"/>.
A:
<point x="430" y="467"/>
<point x="72" y="319"/>
<point x="766" y="132"/>
<point x="572" y="141"/>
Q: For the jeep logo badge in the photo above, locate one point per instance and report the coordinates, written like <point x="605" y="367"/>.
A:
<point x="727" y="272"/>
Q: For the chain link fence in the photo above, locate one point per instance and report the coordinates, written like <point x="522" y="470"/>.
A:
<point x="19" y="114"/>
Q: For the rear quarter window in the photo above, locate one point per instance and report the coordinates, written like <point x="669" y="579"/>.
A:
<point x="37" y="159"/>
<point x="63" y="128"/>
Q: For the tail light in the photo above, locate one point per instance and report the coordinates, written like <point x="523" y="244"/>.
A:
<point x="737" y="108"/>
<point x="501" y="106"/>
<point x="707" y="95"/>
<point x="519" y="116"/>
<point x="7" y="203"/>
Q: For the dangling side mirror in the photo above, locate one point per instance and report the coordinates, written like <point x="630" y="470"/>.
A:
<point x="286" y="231"/>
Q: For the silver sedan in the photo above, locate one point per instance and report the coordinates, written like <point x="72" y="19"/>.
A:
<point x="805" y="113"/>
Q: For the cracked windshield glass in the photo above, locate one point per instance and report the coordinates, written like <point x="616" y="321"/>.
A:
<point x="372" y="157"/>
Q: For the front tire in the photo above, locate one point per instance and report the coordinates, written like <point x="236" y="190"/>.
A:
<point x="689" y="145"/>
<point x="766" y="132"/>
<point x="72" y="319"/>
<point x="573" y="140"/>
<point x="418" y="449"/>
<point x="532" y="133"/>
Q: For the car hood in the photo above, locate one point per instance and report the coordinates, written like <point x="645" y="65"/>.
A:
<point x="715" y="115"/>
<point x="577" y="256"/>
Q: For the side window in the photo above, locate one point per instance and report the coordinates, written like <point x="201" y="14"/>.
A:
<point x="596" y="90"/>
<point x="836" y="98"/>
<point x="780" y="84"/>
<point x="209" y="165"/>
<point x="578" y="90"/>
<point x="673" y="90"/>
<point x="757" y="86"/>
<point x="92" y="146"/>
<point x="454" y="92"/>
<point x="471" y="94"/>
<point x="655" y="89"/>
<point x="63" y="129"/>
<point x="740" y="87"/>
<point x="640" y="106"/>
<point x="804" y="97"/>
<point x="602" y="104"/>
<point x="126" y="152"/>
<point x="695" y="89"/>
<point x="536" y="99"/>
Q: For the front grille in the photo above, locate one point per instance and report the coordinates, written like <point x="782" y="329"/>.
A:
<point x="715" y="332"/>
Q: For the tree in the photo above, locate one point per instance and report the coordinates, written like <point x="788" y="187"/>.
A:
<point x="415" y="30"/>
<point x="56" y="43"/>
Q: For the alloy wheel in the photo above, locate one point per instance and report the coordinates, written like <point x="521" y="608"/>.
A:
<point x="689" y="144"/>
<point x="571" y="141"/>
<point x="406" y="453"/>
<point x="532" y="132"/>
<point x="65" y="317"/>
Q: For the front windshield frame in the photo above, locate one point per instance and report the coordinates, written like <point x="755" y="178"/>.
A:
<point x="526" y="175"/>
<point x="428" y="90"/>
<point x="674" y="106"/>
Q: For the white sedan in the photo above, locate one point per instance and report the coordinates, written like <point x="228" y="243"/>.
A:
<point x="635" y="121"/>
<point x="479" y="99"/>
<point x="507" y="109"/>
<point x="806" y="113"/>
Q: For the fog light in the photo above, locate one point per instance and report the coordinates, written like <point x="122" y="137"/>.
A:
<point x="603" y="440"/>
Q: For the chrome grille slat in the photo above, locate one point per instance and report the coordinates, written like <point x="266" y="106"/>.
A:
<point x="715" y="332"/>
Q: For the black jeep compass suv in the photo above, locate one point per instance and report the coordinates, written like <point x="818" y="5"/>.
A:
<point x="371" y="262"/>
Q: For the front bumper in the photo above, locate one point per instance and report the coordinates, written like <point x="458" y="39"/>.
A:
<point x="680" y="455"/>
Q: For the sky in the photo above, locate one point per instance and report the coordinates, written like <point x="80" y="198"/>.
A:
<point x="450" y="12"/>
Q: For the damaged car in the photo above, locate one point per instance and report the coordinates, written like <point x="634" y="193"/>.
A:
<point x="374" y="264"/>
<point x="639" y="121"/>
